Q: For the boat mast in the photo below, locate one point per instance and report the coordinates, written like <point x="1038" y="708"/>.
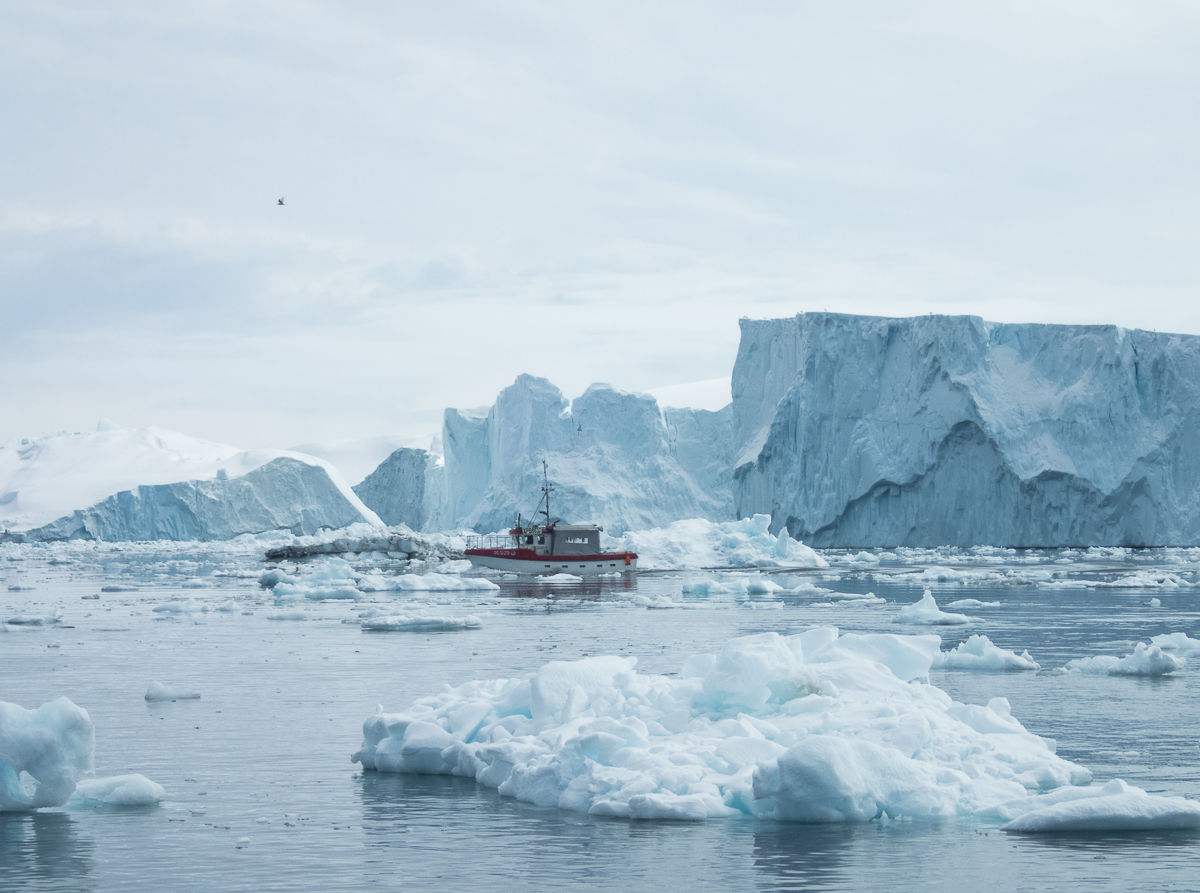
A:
<point x="546" y="489"/>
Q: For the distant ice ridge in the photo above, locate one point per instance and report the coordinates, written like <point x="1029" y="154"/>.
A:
<point x="151" y="484"/>
<point x="816" y="727"/>
<point x="866" y="431"/>
<point x="614" y="458"/>
<point x="701" y="543"/>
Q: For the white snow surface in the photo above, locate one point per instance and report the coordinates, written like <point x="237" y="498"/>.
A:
<point x="815" y="727"/>
<point x="926" y="611"/>
<point x="697" y="543"/>
<point x="1146" y="660"/>
<point x="432" y="583"/>
<point x="48" y="478"/>
<point x="43" y="753"/>
<point x="980" y="655"/>
<point x="117" y="790"/>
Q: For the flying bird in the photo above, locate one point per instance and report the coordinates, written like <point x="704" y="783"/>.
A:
<point x="280" y="202"/>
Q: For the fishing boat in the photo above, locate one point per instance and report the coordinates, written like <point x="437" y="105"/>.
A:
<point x="549" y="547"/>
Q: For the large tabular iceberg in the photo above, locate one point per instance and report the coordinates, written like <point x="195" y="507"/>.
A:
<point x="816" y="727"/>
<point x="938" y="430"/>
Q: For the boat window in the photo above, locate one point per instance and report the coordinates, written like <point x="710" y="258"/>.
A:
<point x="529" y="540"/>
<point x="541" y="541"/>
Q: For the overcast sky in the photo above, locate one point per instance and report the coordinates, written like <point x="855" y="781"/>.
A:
<point x="585" y="191"/>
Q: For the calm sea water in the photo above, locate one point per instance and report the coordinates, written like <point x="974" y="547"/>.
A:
<point x="262" y="795"/>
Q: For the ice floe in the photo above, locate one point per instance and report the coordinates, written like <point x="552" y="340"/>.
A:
<point x="1116" y="806"/>
<point x="1179" y="643"/>
<point x="159" y="692"/>
<point x="117" y="790"/>
<point x="1146" y="660"/>
<point x="980" y="655"/>
<point x="432" y="583"/>
<point x="927" y="612"/>
<point x="816" y="727"/>
<point x="421" y="622"/>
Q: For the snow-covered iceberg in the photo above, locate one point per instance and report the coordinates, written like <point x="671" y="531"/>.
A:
<point x="949" y="430"/>
<point x="149" y="484"/>
<point x="815" y="727"/>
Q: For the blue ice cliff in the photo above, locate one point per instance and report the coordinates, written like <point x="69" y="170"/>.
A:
<point x="949" y="430"/>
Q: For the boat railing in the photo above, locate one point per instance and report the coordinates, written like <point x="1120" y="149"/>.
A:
<point x="489" y="541"/>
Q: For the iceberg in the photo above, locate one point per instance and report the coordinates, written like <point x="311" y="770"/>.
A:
<point x="150" y="484"/>
<point x="859" y="431"/>
<point x="614" y="458"/>
<point x="43" y="753"/>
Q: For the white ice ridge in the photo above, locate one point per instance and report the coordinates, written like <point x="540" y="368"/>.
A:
<point x="1146" y="660"/>
<point x="980" y="655"/>
<point x="816" y="727"/>
<point x="1178" y="643"/>
<point x="699" y="543"/>
<point x="43" y="753"/>
<point x="1115" y="806"/>
<point x="869" y="431"/>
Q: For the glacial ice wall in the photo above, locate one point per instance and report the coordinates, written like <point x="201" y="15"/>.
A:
<point x="284" y="494"/>
<point x="869" y="431"/>
<point x="613" y="457"/>
<point x="396" y="489"/>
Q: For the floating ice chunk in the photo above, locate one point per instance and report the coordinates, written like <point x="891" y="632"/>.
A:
<point x="1145" y="579"/>
<point x="926" y="611"/>
<point x="1146" y="660"/>
<point x="814" y="727"/>
<point x="290" y="615"/>
<point x="1177" y="642"/>
<point x="700" y="543"/>
<point x="159" y="692"/>
<point x="433" y="583"/>
<point x="972" y="603"/>
<point x="559" y="578"/>
<point x="461" y="566"/>
<point x="421" y="623"/>
<point x="272" y="577"/>
<point x="980" y="655"/>
<point x="118" y="790"/>
<point x="705" y="587"/>
<point x="191" y="606"/>
<point x="658" y="602"/>
<point x="36" y="620"/>
<point x="43" y="753"/>
<point x="329" y="578"/>
<point x="1116" y="806"/>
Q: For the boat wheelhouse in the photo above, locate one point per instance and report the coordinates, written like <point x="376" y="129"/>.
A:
<point x="552" y="547"/>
